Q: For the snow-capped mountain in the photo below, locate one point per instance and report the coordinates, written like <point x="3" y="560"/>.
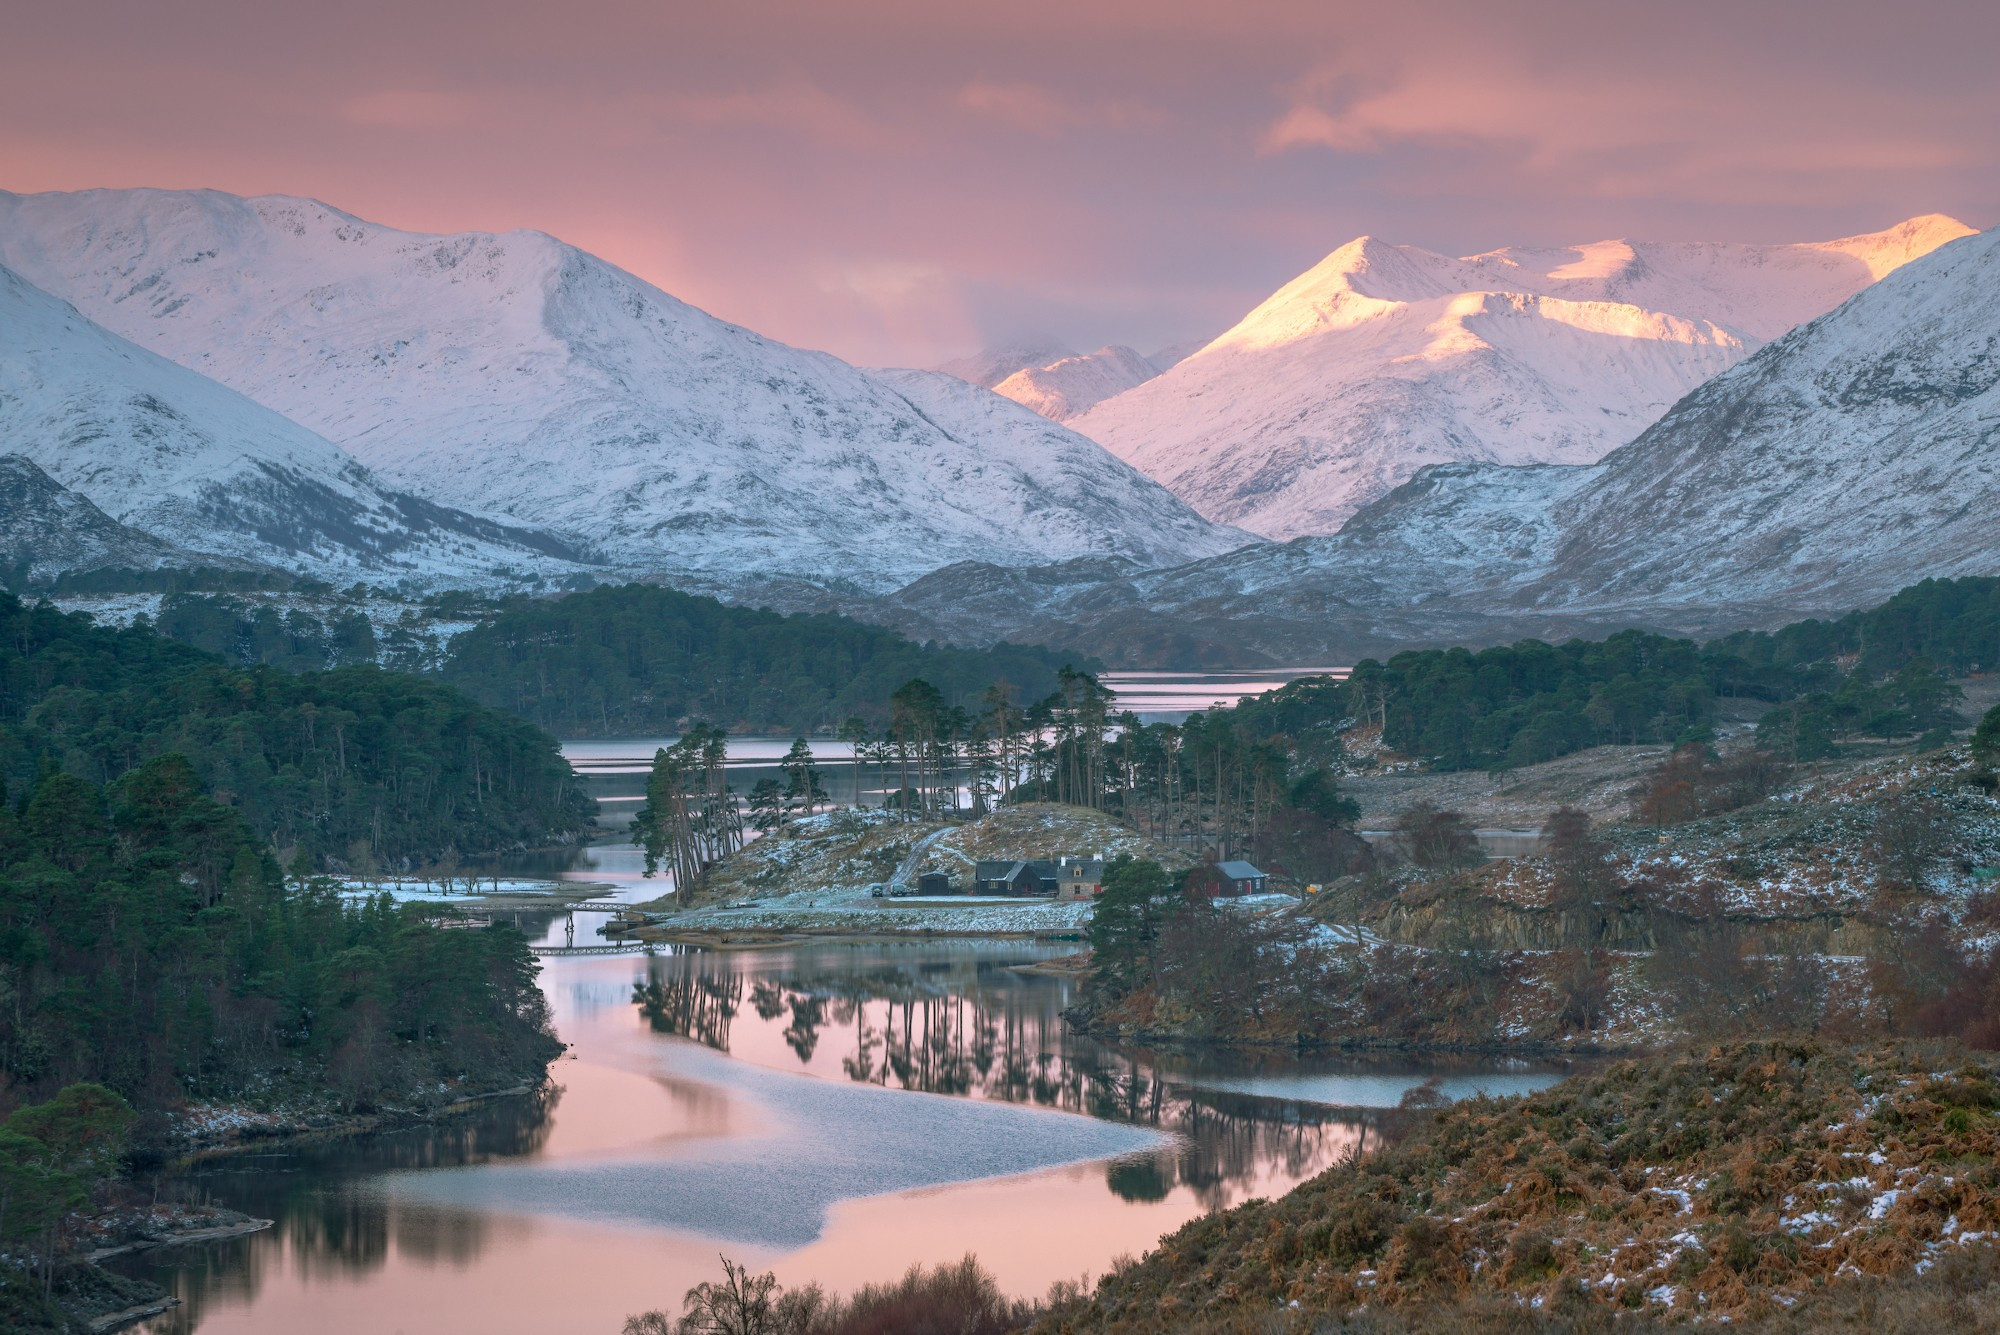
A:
<point x="163" y="450"/>
<point x="1071" y="386"/>
<point x="1854" y="456"/>
<point x="1384" y="358"/>
<point x="516" y="375"/>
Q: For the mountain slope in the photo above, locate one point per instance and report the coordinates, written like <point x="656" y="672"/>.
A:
<point x="161" y="449"/>
<point x="1071" y="386"/>
<point x="47" y="530"/>
<point x="1856" y="455"/>
<point x="989" y="367"/>
<point x="1384" y="358"/>
<point x="519" y="376"/>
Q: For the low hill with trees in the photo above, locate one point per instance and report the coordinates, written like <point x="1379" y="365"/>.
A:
<point x="1877" y="673"/>
<point x="639" y="660"/>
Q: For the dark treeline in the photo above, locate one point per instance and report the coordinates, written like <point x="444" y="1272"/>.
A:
<point x="356" y="765"/>
<point x="1878" y="673"/>
<point x="638" y="659"/>
<point x="150" y="942"/>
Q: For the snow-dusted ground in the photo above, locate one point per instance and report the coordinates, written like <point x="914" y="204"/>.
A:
<point x="858" y="912"/>
<point x="411" y="891"/>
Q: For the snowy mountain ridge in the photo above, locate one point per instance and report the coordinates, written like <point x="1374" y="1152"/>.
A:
<point x="164" y="451"/>
<point x="1384" y="358"/>
<point x="517" y="376"/>
<point x="1071" y="386"/>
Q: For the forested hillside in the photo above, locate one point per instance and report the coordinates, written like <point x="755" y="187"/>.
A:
<point x="1877" y="673"/>
<point x="148" y="941"/>
<point x="641" y="660"/>
<point x="356" y="765"/>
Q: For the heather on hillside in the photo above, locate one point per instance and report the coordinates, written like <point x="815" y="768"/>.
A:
<point x="1731" y="1183"/>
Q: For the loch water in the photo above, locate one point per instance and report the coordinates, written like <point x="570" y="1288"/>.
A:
<point x="834" y="1113"/>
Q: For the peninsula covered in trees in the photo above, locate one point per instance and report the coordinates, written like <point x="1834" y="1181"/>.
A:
<point x="354" y="765"/>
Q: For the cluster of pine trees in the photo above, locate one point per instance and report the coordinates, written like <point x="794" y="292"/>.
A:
<point x="356" y="765"/>
<point x="150" y="942"/>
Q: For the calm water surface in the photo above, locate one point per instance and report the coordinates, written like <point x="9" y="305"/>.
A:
<point x="834" y="1113"/>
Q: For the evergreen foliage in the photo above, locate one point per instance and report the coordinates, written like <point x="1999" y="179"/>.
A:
<point x="639" y="660"/>
<point x="355" y="764"/>
<point x="1986" y="737"/>
<point x="1875" y="673"/>
<point x="148" y="942"/>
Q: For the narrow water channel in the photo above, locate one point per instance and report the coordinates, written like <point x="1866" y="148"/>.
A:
<point x="834" y="1113"/>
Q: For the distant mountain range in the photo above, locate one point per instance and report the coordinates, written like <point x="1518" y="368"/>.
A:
<point x="520" y="379"/>
<point x="1384" y="358"/>
<point x="1858" y="454"/>
<point x="1527" y="442"/>
<point x="1060" y="384"/>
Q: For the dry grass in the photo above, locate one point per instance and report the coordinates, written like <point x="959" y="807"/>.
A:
<point x="1746" y="1181"/>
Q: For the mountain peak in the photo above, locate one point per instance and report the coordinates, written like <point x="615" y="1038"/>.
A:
<point x="1071" y="386"/>
<point x="1892" y="247"/>
<point x="1384" y="358"/>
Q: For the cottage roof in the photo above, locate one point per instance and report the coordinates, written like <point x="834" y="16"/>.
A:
<point x="1237" y="870"/>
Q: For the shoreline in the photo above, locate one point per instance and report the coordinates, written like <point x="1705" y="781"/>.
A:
<point x="257" y="1136"/>
<point x="1357" y="1046"/>
<point x="775" y="938"/>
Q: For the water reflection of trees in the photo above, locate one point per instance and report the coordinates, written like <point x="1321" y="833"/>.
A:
<point x="323" y="1230"/>
<point x="982" y="1033"/>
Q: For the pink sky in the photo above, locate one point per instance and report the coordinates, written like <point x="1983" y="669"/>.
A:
<point x="900" y="182"/>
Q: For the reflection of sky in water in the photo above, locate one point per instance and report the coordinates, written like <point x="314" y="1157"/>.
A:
<point x="1055" y="1156"/>
<point x="823" y="1143"/>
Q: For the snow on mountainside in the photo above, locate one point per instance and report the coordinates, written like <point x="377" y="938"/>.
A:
<point x="163" y="450"/>
<point x="1384" y="358"/>
<point x="1071" y="386"/>
<point x="1855" y="456"/>
<point x="1059" y="494"/>
<point x="516" y="375"/>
